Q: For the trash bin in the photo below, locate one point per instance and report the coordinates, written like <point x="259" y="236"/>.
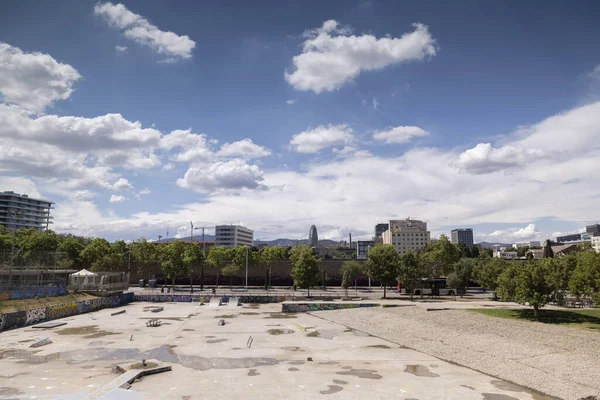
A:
<point x="142" y="283"/>
<point x="152" y="283"/>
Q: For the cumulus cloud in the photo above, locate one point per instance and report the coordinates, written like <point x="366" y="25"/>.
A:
<point x="313" y="140"/>
<point x="234" y="174"/>
<point x="122" y="184"/>
<point x="291" y="101"/>
<point x="117" y="198"/>
<point x="140" y="30"/>
<point x="194" y="147"/>
<point x="19" y="185"/>
<point x="34" y="80"/>
<point x="331" y="57"/>
<point x="399" y="134"/>
<point x="508" y="235"/>
<point x="245" y="148"/>
<point x="350" y="151"/>
<point x="558" y="138"/>
<point x="168" y="167"/>
<point x="120" y="49"/>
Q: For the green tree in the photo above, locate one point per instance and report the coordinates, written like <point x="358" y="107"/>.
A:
<point x="548" y="253"/>
<point x="346" y="281"/>
<point x="584" y="281"/>
<point x="218" y="257"/>
<point x="268" y="257"/>
<point x="532" y="285"/>
<point x="383" y="265"/>
<point x="73" y="249"/>
<point x="522" y="250"/>
<point x="145" y="255"/>
<point x="94" y="251"/>
<point x="193" y="257"/>
<point x="507" y="281"/>
<point x="475" y="251"/>
<point x="487" y="270"/>
<point x="305" y="267"/>
<point x="560" y="271"/>
<point x="231" y="270"/>
<point x="354" y="269"/>
<point x="453" y="281"/>
<point x="442" y="254"/>
<point x="411" y="271"/>
<point x="463" y="271"/>
<point x="172" y="260"/>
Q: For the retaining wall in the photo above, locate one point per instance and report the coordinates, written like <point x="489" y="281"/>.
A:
<point x="20" y="319"/>
<point x="306" y="307"/>
<point x="187" y="298"/>
<point x="32" y="292"/>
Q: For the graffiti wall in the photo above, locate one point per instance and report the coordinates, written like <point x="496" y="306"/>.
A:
<point x="33" y="292"/>
<point x="307" y="307"/>
<point x="186" y="298"/>
<point x="23" y="318"/>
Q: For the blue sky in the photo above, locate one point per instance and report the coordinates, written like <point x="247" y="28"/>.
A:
<point x="482" y="115"/>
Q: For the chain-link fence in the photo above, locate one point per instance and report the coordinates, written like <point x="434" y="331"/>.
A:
<point x="33" y="271"/>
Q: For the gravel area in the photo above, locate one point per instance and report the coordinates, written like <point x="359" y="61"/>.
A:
<point x="556" y="360"/>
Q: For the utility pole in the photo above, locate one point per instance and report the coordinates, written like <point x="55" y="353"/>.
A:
<point x="191" y="232"/>
<point x="246" y="267"/>
<point x="204" y="254"/>
<point x="159" y="237"/>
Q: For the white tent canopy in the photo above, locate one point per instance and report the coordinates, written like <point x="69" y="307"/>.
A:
<point x="84" y="272"/>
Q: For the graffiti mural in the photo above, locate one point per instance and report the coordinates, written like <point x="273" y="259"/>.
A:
<point x="22" y="318"/>
<point x="35" y="315"/>
<point x="307" y="307"/>
<point x="31" y="292"/>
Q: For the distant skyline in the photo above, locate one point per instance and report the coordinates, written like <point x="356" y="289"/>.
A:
<point x="142" y="116"/>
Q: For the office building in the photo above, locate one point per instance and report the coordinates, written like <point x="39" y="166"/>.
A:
<point x="593" y="230"/>
<point x="569" y="238"/>
<point x="19" y="211"/>
<point x="233" y="235"/>
<point x="313" y="236"/>
<point x="407" y="234"/>
<point x="379" y="229"/>
<point x="362" y="248"/>
<point x="462" y="236"/>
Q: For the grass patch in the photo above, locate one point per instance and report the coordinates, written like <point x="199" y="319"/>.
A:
<point x="28" y="304"/>
<point x="589" y="319"/>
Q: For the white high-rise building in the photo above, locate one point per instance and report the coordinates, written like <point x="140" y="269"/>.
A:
<point x="407" y="234"/>
<point x="19" y="211"/>
<point x="233" y="235"/>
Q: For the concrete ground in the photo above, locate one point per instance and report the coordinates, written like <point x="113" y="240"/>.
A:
<point x="212" y="361"/>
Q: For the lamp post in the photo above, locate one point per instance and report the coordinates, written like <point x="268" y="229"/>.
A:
<point x="204" y="254"/>
<point x="246" y="267"/>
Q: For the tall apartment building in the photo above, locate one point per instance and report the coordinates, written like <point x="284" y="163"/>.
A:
<point x="462" y="236"/>
<point x="379" y="229"/>
<point x="21" y="211"/>
<point x="233" y="235"/>
<point x="407" y="234"/>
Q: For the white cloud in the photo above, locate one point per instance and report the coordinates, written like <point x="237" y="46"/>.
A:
<point x="234" y="174"/>
<point x="291" y="101"/>
<point x="19" y="185"/>
<point x="313" y="140"/>
<point x="34" y="80"/>
<point x="120" y="49"/>
<point x="140" y="30"/>
<point x="331" y="57"/>
<point x="83" y="195"/>
<point x="556" y="139"/>
<point x="142" y="192"/>
<point x="375" y="103"/>
<point x="399" y="134"/>
<point x="168" y="167"/>
<point x="195" y="147"/>
<point x="351" y="151"/>
<point x="511" y="234"/>
<point x="122" y="184"/>
<point x="117" y="198"/>
<point x="245" y="149"/>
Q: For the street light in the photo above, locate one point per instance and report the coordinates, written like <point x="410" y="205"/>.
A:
<point x="203" y="253"/>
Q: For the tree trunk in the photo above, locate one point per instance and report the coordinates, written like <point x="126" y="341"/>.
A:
<point x="412" y="294"/>
<point x="202" y="278"/>
<point x="173" y="285"/>
<point x="191" y="283"/>
<point x="308" y="292"/>
<point x="217" y="279"/>
<point x="267" y="279"/>
<point x="384" y="290"/>
<point x="346" y="292"/>
<point x="230" y="279"/>
<point x="536" y="311"/>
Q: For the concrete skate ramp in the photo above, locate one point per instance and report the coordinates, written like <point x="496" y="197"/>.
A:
<point x="234" y="302"/>
<point x="215" y="302"/>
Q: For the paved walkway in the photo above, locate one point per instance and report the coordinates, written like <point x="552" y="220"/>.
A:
<point x="557" y="360"/>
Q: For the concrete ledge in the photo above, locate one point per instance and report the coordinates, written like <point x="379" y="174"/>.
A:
<point x="294" y="307"/>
